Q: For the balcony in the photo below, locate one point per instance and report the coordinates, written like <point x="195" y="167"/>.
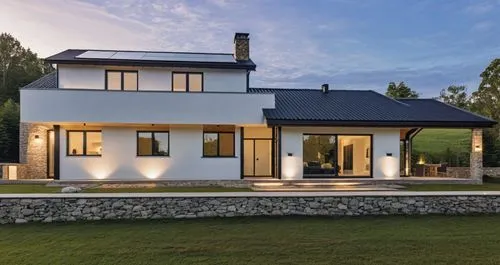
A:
<point x="102" y="106"/>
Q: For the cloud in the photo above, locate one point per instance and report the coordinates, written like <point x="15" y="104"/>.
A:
<point x="346" y="43"/>
<point x="480" y="7"/>
<point x="56" y="25"/>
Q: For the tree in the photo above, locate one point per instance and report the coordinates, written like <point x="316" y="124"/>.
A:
<point x="9" y="131"/>
<point x="456" y="96"/>
<point x="18" y="67"/>
<point x="400" y="90"/>
<point x="486" y="100"/>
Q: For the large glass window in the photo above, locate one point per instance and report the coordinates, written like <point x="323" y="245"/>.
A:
<point x="187" y="82"/>
<point x="121" y="80"/>
<point x="84" y="143"/>
<point x="218" y="144"/>
<point x="354" y="152"/>
<point x="336" y="155"/>
<point x="152" y="143"/>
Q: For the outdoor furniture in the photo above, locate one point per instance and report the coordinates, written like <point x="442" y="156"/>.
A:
<point x="431" y="170"/>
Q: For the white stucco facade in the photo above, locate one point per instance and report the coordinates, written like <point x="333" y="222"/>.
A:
<point x="119" y="160"/>
<point x="151" y="78"/>
<point x="385" y="141"/>
<point x="85" y="106"/>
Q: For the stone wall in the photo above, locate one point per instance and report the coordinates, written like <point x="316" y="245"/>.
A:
<point x="32" y="151"/>
<point x="59" y="208"/>
<point x="464" y="172"/>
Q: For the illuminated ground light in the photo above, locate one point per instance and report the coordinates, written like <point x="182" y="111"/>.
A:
<point x="99" y="169"/>
<point x="152" y="169"/>
<point x="290" y="167"/>
<point x="389" y="166"/>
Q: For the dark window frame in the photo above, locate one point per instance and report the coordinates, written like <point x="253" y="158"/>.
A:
<point x="218" y="155"/>
<point x="68" y="153"/>
<point x="152" y="143"/>
<point x="122" y="79"/>
<point x="187" y="81"/>
<point x="336" y="135"/>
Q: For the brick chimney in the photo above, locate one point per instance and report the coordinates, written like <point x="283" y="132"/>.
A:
<point x="241" y="46"/>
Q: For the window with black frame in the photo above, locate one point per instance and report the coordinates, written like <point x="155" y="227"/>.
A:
<point x="187" y="82"/>
<point x="218" y="141"/>
<point x="336" y="155"/>
<point x="151" y="143"/>
<point x="122" y="80"/>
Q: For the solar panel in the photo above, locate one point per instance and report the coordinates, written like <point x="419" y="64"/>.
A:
<point x="158" y="56"/>
<point x="189" y="57"/>
<point x="128" y="55"/>
<point x="96" y="55"/>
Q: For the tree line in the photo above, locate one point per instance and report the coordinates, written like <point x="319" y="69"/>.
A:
<point x="18" y="67"/>
<point x="484" y="101"/>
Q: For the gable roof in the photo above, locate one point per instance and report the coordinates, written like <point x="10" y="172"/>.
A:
<point x="363" y="108"/>
<point x="150" y="58"/>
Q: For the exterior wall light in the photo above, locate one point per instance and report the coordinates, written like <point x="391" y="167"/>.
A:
<point x="37" y="136"/>
<point x="388" y="154"/>
<point x="290" y="154"/>
<point x="477" y="148"/>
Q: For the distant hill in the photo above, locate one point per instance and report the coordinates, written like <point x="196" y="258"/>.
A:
<point x="444" y="145"/>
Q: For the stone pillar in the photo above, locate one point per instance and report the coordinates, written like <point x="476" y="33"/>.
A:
<point x="32" y="151"/>
<point x="476" y="155"/>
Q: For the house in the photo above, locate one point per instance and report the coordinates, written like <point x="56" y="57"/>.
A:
<point x="140" y="115"/>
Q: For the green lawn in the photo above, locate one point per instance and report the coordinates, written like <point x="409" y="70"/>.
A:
<point x="454" y="187"/>
<point x="382" y="240"/>
<point x="39" y="188"/>
<point x="437" y="140"/>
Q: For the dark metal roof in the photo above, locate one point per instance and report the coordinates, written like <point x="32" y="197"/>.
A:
<point x="45" y="82"/>
<point x="71" y="57"/>
<point x="363" y="108"/>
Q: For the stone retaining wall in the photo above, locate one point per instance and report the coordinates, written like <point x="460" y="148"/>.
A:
<point x="61" y="209"/>
<point x="464" y="172"/>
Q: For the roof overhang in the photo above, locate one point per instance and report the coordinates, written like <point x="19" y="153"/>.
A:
<point x="373" y="123"/>
<point x="249" y="65"/>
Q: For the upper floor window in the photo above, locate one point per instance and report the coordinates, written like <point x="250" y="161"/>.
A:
<point x="122" y="80"/>
<point x="187" y="82"/>
<point x="84" y="143"/>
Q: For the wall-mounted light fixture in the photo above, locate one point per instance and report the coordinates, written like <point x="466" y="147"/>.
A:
<point x="37" y="136"/>
<point x="290" y="154"/>
<point x="388" y="154"/>
<point x="477" y="148"/>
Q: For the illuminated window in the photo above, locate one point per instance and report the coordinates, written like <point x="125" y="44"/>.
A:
<point x="84" y="143"/>
<point x="218" y="142"/>
<point x="152" y="143"/>
<point x="337" y="155"/>
<point x="187" y="82"/>
<point x="121" y="80"/>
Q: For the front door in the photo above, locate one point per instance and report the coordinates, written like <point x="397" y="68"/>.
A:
<point x="257" y="157"/>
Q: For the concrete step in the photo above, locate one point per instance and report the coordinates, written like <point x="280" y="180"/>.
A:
<point x="325" y="188"/>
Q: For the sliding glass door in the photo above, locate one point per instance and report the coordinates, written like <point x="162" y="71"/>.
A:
<point x="331" y="155"/>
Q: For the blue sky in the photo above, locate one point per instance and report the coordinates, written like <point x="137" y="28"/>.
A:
<point x="351" y="44"/>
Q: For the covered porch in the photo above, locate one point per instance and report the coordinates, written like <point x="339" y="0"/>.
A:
<point x="410" y="166"/>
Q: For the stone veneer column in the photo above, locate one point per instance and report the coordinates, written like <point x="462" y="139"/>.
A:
<point x="476" y="155"/>
<point x="32" y="151"/>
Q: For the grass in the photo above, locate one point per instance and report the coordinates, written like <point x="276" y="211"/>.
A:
<point x="438" y="140"/>
<point x="291" y="240"/>
<point x="38" y="188"/>
<point x="454" y="187"/>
